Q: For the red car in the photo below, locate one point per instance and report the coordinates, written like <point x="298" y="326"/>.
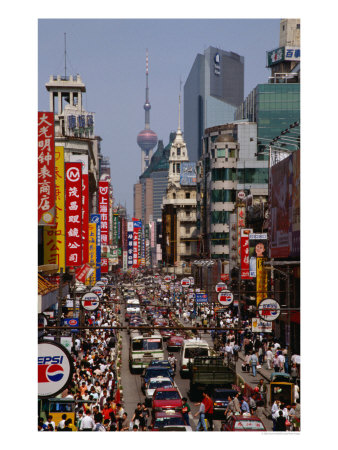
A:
<point x="166" y="398"/>
<point x="166" y="334"/>
<point x="243" y="423"/>
<point x="175" y="342"/>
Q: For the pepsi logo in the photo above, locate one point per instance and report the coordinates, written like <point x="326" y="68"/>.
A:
<point x="72" y="322"/>
<point x="73" y="174"/>
<point x="54" y="372"/>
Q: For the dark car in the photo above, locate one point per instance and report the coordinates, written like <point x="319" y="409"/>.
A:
<point x="175" y="342"/>
<point x="164" y="364"/>
<point x="245" y="422"/>
<point x="164" y="420"/>
<point x="153" y="372"/>
<point x="220" y="399"/>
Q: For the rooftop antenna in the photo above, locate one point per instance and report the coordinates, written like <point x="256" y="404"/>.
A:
<point x="65" y="57"/>
<point x="179" y="106"/>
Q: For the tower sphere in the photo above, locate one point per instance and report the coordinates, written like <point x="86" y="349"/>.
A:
<point x="147" y="139"/>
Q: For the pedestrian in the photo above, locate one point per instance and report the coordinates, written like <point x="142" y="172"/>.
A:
<point x="185" y="411"/>
<point x="50" y="422"/>
<point x="269" y="358"/>
<point x="262" y="386"/>
<point x="253" y="362"/>
<point x="280" y="422"/>
<point x="123" y="425"/>
<point x="281" y="362"/>
<point x="276" y="363"/>
<point x="87" y="423"/>
<point x="244" y="406"/>
<point x="229" y="352"/>
<point x="62" y="422"/>
<point x="230" y="409"/>
<point x="137" y="414"/>
<point x="237" y="405"/>
<point x="98" y="423"/>
<point x="201" y="420"/>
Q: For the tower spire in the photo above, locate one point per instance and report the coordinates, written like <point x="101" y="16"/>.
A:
<point x="147" y="104"/>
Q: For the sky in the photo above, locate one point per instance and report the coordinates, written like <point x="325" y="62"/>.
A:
<point x="109" y="55"/>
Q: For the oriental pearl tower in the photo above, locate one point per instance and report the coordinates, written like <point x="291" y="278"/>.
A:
<point x="146" y="139"/>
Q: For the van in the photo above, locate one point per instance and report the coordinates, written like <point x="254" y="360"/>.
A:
<point x="191" y="348"/>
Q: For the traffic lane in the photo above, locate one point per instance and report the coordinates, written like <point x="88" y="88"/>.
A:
<point x="183" y="385"/>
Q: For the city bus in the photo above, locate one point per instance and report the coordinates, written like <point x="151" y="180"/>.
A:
<point x="143" y="348"/>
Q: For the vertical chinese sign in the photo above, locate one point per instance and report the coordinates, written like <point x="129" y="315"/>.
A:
<point x="92" y="236"/>
<point x="73" y="205"/>
<point x="245" y="274"/>
<point x="46" y="169"/>
<point x="96" y="218"/>
<point x="115" y="229"/>
<point x="130" y="232"/>
<point x="261" y="280"/>
<point x="104" y="212"/>
<point x="136" y="237"/>
<point x="83" y="159"/>
<point x="54" y="236"/>
<point x="240" y="225"/>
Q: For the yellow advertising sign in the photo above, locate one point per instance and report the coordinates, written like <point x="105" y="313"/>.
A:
<point x="54" y="236"/>
<point x="261" y="280"/>
<point x="92" y="252"/>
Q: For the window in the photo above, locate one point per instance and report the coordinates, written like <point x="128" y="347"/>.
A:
<point x="178" y="168"/>
<point x="187" y="195"/>
<point x="187" y="230"/>
<point x="298" y="26"/>
<point x="187" y="212"/>
<point x="178" y="152"/>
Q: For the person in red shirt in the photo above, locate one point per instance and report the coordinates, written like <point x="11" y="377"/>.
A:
<point x="209" y="410"/>
<point x="106" y="411"/>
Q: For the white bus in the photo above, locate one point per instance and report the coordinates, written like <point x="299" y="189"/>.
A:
<point x="143" y="348"/>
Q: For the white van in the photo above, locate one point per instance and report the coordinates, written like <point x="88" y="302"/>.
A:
<point x="190" y="349"/>
<point x="133" y="302"/>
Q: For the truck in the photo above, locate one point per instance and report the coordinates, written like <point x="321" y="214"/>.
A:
<point x="209" y="372"/>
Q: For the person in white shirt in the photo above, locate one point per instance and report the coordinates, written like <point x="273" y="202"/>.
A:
<point x="269" y="358"/>
<point x="87" y="423"/>
<point x="281" y="361"/>
<point x="50" y="422"/>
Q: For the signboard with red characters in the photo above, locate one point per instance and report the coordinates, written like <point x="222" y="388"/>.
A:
<point x="245" y="267"/>
<point x="46" y="169"/>
<point x="73" y="205"/>
<point x="104" y="211"/>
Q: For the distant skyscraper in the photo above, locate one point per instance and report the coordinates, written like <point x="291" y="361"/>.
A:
<point x="212" y="92"/>
<point x="146" y="139"/>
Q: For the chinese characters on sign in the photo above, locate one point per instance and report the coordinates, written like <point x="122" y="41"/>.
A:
<point x="96" y="218"/>
<point x="92" y="231"/>
<point x="73" y="201"/>
<point x="46" y="169"/>
<point x="54" y="236"/>
<point x="245" y="253"/>
<point x="104" y="211"/>
<point x="261" y="280"/>
<point x="130" y="232"/>
<point x="240" y="224"/>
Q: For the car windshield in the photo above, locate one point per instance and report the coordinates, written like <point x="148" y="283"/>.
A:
<point x="153" y="373"/>
<point x="195" y="351"/>
<point x="156" y="384"/>
<point x="248" y="425"/>
<point x="167" y="395"/>
<point x="223" y="395"/>
<point x="147" y="344"/>
<point x="165" y="421"/>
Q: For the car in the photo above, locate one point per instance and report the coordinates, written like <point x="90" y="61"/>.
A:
<point x="175" y="342"/>
<point x="220" y="399"/>
<point x="167" y="399"/>
<point x="153" y="372"/>
<point x="243" y="422"/>
<point x="165" y="364"/>
<point x="155" y="383"/>
<point x="169" y="421"/>
<point x="166" y="334"/>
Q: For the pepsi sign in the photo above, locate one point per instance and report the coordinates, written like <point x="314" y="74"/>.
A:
<point x="268" y="309"/>
<point x="90" y="301"/>
<point x="185" y="282"/>
<point x="225" y="298"/>
<point x="97" y="290"/>
<point x="55" y="369"/>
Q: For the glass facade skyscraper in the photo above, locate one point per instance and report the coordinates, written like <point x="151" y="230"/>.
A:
<point x="212" y="92"/>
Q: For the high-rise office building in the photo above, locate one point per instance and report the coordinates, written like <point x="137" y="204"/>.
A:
<point x="212" y="92"/>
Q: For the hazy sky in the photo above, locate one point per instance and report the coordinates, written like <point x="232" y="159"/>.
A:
<point x="109" y="55"/>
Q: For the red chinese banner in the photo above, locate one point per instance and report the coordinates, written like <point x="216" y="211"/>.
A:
<point x="46" y="169"/>
<point x="73" y="204"/>
<point x="85" y="203"/>
<point x="83" y="272"/>
<point x="104" y="211"/>
<point x="104" y="265"/>
<point x="245" y="268"/>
